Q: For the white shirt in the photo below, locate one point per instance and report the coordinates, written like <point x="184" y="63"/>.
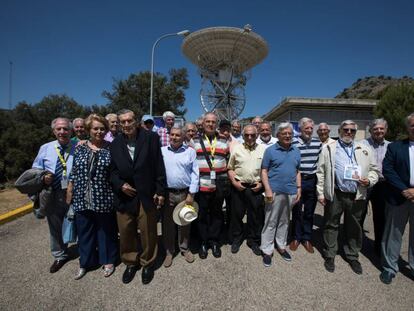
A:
<point x="411" y="151"/>
<point x="272" y="140"/>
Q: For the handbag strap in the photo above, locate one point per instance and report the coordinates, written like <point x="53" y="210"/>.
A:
<point x="205" y="153"/>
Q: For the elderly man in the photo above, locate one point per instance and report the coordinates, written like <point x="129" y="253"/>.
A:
<point x="138" y="181"/>
<point x="199" y="124"/>
<point x="147" y="122"/>
<point x="246" y="195"/>
<point x="112" y="119"/>
<point x="398" y="169"/>
<point x="190" y="131"/>
<point x="281" y="181"/>
<point x="302" y="222"/>
<point x="164" y="132"/>
<point x="345" y="171"/>
<point x="57" y="158"/>
<point x="212" y="153"/>
<point x="79" y="129"/>
<point x="225" y="131"/>
<point x="256" y="121"/>
<point x="236" y="131"/>
<point x="323" y="133"/>
<point x="265" y="134"/>
<point x="378" y="130"/>
<point x="182" y="180"/>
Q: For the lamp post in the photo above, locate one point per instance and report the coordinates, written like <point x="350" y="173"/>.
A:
<point x="180" y="33"/>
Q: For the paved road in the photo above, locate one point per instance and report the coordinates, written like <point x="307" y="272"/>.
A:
<point x="233" y="282"/>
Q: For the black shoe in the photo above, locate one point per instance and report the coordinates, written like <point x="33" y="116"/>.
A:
<point x="203" y="252"/>
<point x="386" y="277"/>
<point x="267" y="260"/>
<point x="256" y="249"/>
<point x="235" y="247"/>
<point x="285" y="255"/>
<point x="57" y="264"/>
<point x="129" y="274"/>
<point x="355" y="266"/>
<point x="329" y="264"/>
<point x="215" y="248"/>
<point x="147" y="275"/>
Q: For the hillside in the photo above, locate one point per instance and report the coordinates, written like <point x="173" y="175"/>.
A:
<point x="371" y="87"/>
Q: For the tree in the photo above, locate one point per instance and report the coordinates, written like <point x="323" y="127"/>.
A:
<point x="395" y="105"/>
<point x="25" y="128"/>
<point x="134" y="93"/>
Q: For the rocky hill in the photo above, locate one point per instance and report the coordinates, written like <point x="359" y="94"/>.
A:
<point x="372" y="87"/>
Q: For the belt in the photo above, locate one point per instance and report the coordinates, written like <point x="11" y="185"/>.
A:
<point x="173" y="190"/>
<point x="350" y="194"/>
<point x="247" y="185"/>
<point x="307" y="176"/>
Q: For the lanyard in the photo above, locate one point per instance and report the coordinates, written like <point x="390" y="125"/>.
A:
<point x="212" y="147"/>
<point x="62" y="159"/>
<point x="350" y="156"/>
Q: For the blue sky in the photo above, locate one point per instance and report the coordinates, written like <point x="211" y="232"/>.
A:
<point x="316" y="48"/>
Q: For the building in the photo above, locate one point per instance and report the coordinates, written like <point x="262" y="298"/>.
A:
<point x="330" y="110"/>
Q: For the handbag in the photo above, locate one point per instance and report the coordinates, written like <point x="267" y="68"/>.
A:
<point x="69" y="234"/>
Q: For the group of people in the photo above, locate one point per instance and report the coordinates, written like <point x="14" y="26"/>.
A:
<point x="121" y="176"/>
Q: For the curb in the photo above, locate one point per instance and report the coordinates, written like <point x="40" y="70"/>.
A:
<point x="16" y="213"/>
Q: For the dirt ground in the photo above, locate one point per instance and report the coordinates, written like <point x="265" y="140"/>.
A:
<point x="11" y="199"/>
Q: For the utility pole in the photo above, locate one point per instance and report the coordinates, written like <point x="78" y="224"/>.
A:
<point x="10" y="85"/>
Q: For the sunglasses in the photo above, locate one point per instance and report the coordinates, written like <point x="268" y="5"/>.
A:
<point x="249" y="135"/>
<point x="349" y="130"/>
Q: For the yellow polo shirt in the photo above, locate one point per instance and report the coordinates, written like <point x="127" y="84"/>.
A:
<point x="246" y="163"/>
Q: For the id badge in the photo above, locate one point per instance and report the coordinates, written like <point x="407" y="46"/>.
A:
<point x="64" y="182"/>
<point x="213" y="175"/>
<point x="352" y="172"/>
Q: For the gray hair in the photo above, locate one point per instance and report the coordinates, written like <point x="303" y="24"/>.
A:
<point x="258" y="117"/>
<point x="409" y="117"/>
<point x="265" y="123"/>
<point x="235" y="122"/>
<point x="282" y="126"/>
<point x="211" y="114"/>
<point x="168" y="114"/>
<point x="125" y="111"/>
<point x="376" y="122"/>
<point x="185" y="127"/>
<point x="324" y="124"/>
<point x="77" y="120"/>
<point x="250" y="126"/>
<point x="53" y="124"/>
<point x="177" y="127"/>
<point x="347" y="122"/>
<point x="305" y="120"/>
<point x="111" y="115"/>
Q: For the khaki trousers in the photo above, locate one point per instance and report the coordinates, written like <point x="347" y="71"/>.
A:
<point x="128" y="225"/>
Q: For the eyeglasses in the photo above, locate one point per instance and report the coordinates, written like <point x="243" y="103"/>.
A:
<point x="353" y="131"/>
<point x="249" y="135"/>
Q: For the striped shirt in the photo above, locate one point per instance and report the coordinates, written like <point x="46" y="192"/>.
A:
<point x="309" y="154"/>
<point x="219" y="161"/>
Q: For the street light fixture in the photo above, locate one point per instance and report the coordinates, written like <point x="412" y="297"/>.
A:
<point x="183" y="33"/>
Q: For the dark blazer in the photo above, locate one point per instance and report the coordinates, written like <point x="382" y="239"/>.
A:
<point x="145" y="173"/>
<point x="396" y="170"/>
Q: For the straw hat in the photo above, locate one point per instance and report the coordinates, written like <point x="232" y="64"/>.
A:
<point x="184" y="214"/>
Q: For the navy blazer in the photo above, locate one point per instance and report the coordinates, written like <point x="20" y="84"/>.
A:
<point x="145" y="173"/>
<point x="396" y="170"/>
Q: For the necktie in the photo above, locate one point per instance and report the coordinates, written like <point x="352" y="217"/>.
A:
<point x="57" y="177"/>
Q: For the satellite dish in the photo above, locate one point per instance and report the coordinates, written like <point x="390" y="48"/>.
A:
<point x="224" y="55"/>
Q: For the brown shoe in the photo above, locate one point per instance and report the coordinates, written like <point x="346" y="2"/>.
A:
<point x="308" y="246"/>
<point x="168" y="261"/>
<point x="294" y="245"/>
<point x="188" y="256"/>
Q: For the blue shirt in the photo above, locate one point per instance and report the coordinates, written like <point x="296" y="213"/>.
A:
<point x="47" y="157"/>
<point x="181" y="168"/>
<point x="282" y="166"/>
<point x="342" y="158"/>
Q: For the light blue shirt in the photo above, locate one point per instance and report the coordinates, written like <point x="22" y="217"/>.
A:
<point x="47" y="157"/>
<point x="341" y="159"/>
<point x="181" y="168"/>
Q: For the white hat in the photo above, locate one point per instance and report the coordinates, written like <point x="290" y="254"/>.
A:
<point x="184" y="214"/>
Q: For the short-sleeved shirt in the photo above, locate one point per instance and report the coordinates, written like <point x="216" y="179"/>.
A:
<point x="246" y="162"/>
<point x="282" y="166"/>
<point x="309" y="152"/>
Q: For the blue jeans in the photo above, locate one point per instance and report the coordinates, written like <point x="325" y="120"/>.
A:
<point x="97" y="238"/>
